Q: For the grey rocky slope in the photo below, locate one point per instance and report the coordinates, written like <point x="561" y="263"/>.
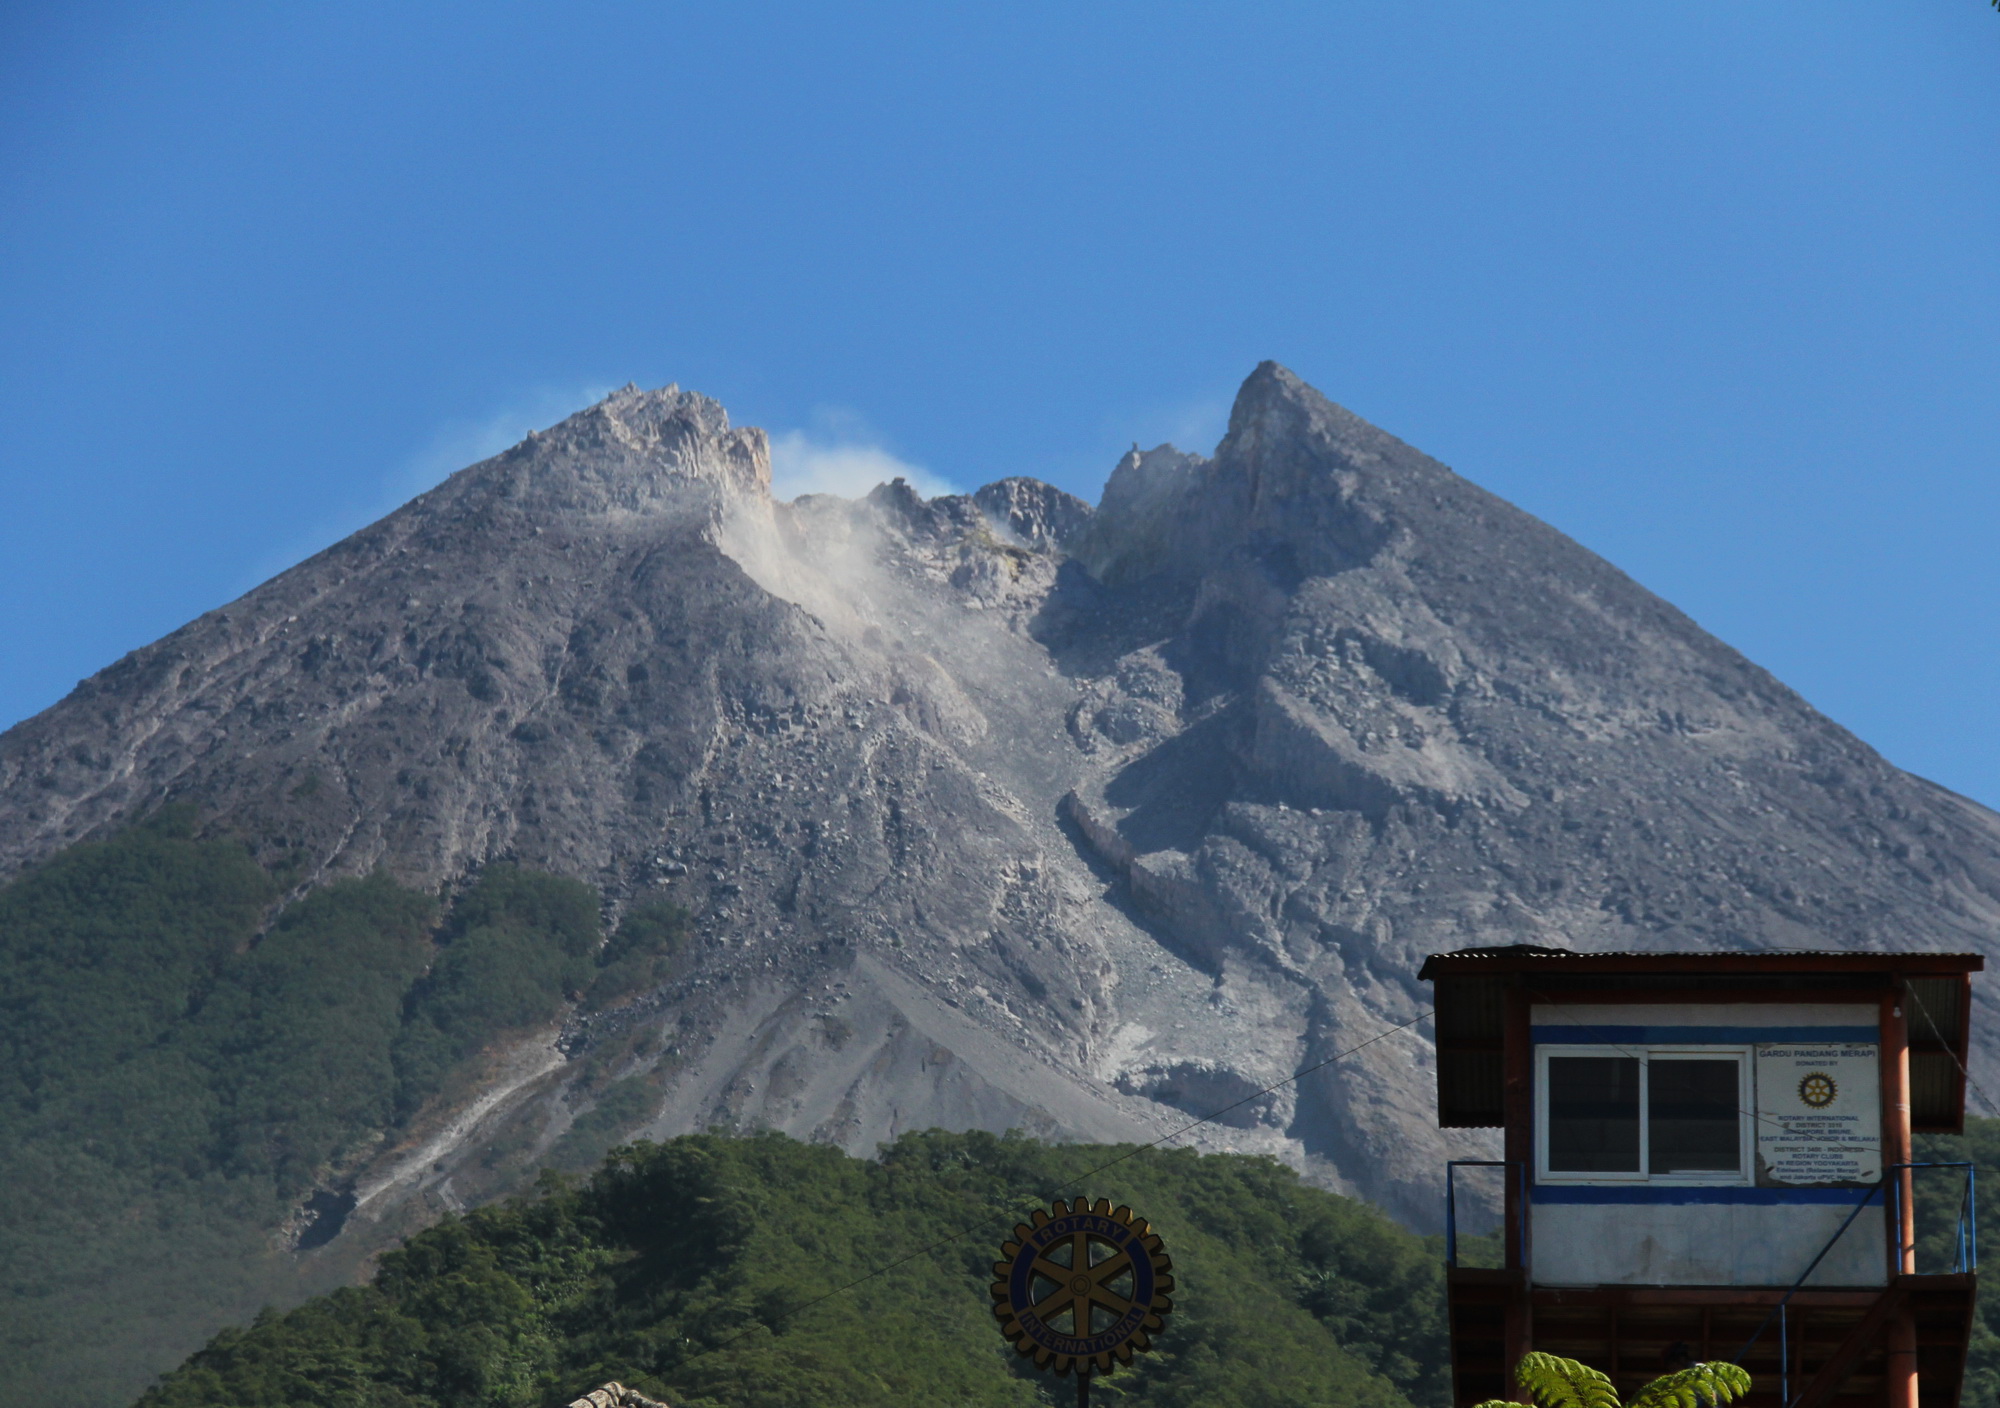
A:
<point x="997" y="810"/>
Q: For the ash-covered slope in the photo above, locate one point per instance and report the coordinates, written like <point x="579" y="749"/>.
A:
<point x="994" y="810"/>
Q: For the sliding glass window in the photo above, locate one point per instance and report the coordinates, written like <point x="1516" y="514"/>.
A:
<point x="1606" y="1114"/>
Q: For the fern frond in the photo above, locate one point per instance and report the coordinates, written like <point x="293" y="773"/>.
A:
<point x="1697" y="1386"/>
<point x="1508" y="1402"/>
<point x="1557" y="1382"/>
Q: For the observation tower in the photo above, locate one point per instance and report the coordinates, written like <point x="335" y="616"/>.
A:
<point x="1708" y="1156"/>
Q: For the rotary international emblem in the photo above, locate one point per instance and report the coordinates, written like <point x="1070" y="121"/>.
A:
<point x="1082" y="1286"/>
<point x="1818" y="1090"/>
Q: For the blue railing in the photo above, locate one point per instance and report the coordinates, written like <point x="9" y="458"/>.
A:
<point x="1966" y="1238"/>
<point x="1451" y="1205"/>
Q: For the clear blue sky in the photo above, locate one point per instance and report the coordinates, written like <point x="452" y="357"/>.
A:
<point x="1713" y="287"/>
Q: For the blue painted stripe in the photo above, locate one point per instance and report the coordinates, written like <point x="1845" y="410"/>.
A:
<point x="1668" y="1193"/>
<point x="1563" y="1034"/>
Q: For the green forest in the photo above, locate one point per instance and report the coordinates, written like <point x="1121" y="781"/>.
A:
<point x="695" y="1270"/>
<point x="181" y="1062"/>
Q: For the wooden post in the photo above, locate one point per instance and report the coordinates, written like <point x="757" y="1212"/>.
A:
<point x="1617" y="1369"/>
<point x="1900" y="1335"/>
<point x="1518" y="1104"/>
<point x="1901" y="1212"/>
<point x="1899" y="1362"/>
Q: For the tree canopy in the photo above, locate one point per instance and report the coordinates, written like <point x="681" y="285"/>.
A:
<point x="759" y="1272"/>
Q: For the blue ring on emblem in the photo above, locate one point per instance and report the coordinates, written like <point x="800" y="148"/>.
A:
<point x="1021" y="1280"/>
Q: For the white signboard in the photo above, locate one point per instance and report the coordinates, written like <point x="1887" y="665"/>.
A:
<point x="1819" y="1114"/>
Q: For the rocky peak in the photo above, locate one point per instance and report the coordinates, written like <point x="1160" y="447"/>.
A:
<point x="633" y="453"/>
<point x="1294" y="490"/>
<point x="1142" y="520"/>
<point x="1035" y="514"/>
<point x="1278" y="420"/>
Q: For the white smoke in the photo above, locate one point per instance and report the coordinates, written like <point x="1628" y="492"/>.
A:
<point x="804" y="464"/>
<point x="829" y="554"/>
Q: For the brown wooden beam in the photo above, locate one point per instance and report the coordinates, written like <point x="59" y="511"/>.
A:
<point x="1899" y="1221"/>
<point x="1674" y="997"/>
<point x="1447" y="965"/>
<point x="1518" y="1103"/>
<point x="1713" y="1297"/>
<point x="1899" y="1369"/>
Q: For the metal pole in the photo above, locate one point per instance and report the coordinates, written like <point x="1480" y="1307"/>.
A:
<point x="1963" y="1197"/>
<point x="1784" y="1358"/>
<point x="1082" y="1389"/>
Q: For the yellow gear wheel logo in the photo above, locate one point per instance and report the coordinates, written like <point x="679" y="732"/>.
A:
<point x="1818" y="1090"/>
<point x="1083" y="1285"/>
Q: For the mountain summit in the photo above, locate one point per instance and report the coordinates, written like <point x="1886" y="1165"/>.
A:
<point x="1000" y="811"/>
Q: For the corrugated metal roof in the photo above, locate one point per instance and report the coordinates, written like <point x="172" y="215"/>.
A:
<point x="1514" y="957"/>
<point x="1534" y="951"/>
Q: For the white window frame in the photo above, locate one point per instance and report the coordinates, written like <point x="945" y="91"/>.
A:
<point x="1746" y="1119"/>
